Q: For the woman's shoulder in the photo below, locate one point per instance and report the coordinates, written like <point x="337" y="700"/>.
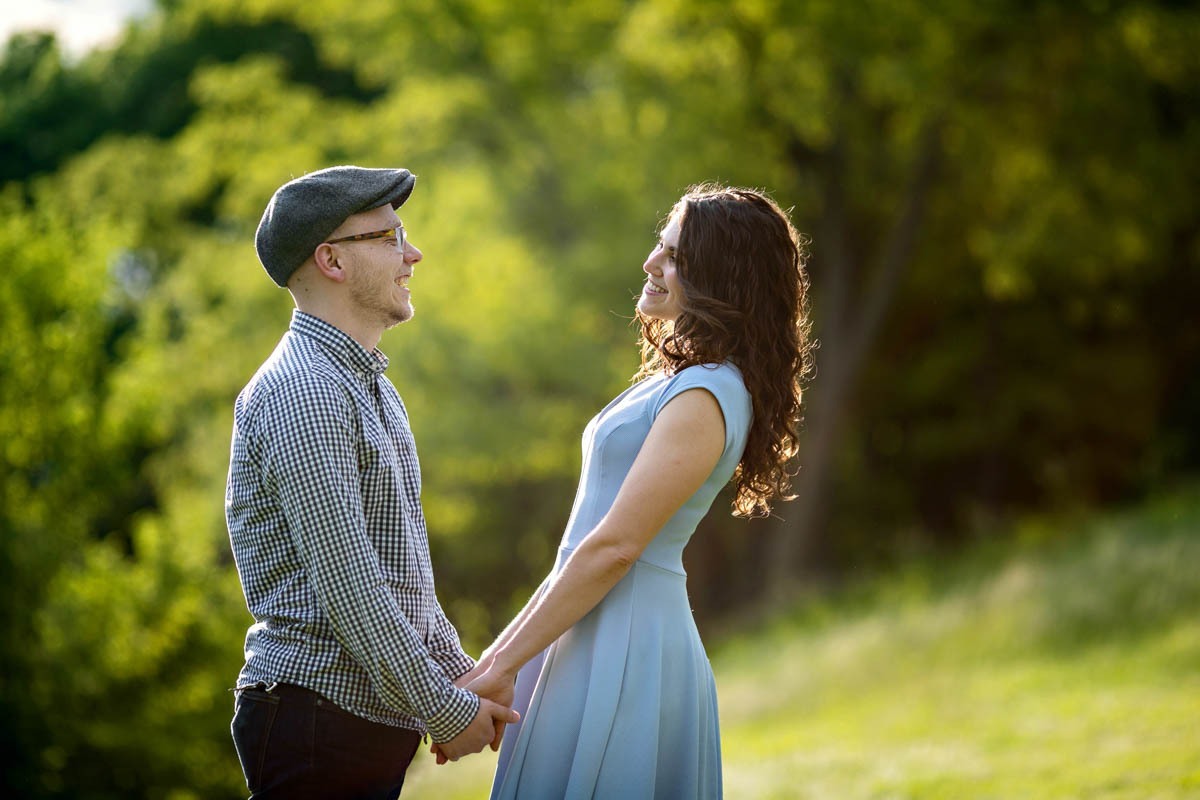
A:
<point x="724" y="374"/>
<point x="723" y="381"/>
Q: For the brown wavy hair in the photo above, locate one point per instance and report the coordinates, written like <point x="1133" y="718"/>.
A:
<point x="742" y="266"/>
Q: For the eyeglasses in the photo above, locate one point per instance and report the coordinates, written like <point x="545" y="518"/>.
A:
<point x="397" y="233"/>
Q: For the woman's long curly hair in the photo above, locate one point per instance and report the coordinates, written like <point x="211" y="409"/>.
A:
<point x="741" y="264"/>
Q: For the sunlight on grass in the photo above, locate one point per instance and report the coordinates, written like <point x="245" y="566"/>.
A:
<point x="1109" y="723"/>
<point x="467" y="779"/>
<point x="1061" y="673"/>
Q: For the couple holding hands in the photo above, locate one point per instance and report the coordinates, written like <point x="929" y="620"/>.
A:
<point x="601" y="679"/>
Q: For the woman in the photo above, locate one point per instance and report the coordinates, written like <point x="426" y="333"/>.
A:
<point x="615" y="690"/>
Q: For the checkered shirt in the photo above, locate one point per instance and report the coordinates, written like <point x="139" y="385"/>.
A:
<point x="324" y="511"/>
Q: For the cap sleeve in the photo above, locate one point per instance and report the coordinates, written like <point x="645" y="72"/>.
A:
<point x="724" y="383"/>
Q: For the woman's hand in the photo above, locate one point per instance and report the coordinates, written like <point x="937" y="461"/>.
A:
<point x="462" y="680"/>
<point x="498" y="686"/>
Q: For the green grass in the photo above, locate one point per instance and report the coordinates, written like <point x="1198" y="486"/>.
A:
<point x="1062" y="664"/>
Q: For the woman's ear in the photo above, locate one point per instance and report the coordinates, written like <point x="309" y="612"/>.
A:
<point x="325" y="258"/>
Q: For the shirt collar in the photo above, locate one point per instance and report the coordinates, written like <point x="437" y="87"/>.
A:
<point x="340" y="344"/>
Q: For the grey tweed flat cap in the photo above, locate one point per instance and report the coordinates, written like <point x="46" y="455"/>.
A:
<point x="303" y="212"/>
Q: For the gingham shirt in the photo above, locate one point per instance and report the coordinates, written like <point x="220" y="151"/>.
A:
<point x="324" y="511"/>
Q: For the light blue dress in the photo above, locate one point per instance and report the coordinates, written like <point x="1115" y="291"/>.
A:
<point x="623" y="705"/>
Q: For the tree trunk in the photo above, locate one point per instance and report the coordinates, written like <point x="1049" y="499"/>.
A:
<point x="849" y="322"/>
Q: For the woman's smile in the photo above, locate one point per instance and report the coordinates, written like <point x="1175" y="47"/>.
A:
<point x="654" y="288"/>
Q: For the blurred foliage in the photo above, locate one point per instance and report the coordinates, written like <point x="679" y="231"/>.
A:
<point x="1006" y="243"/>
<point x="141" y="86"/>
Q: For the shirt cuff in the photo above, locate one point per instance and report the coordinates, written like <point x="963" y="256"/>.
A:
<point x="454" y="716"/>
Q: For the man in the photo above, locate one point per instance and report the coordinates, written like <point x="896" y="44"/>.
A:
<point x="350" y="659"/>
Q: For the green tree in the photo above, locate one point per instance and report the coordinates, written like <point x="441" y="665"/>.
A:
<point x="68" y="482"/>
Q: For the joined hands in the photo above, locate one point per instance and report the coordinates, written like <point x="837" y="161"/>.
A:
<point x="495" y="690"/>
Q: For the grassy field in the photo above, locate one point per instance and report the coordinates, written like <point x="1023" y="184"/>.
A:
<point x="1066" y="665"/>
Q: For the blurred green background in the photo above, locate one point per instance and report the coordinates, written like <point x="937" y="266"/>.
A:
<point x="1005" y="223"/>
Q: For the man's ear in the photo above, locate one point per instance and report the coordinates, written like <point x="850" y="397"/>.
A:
<point x="325" y="258"/>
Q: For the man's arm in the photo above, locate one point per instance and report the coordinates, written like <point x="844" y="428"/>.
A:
<point x="445" y="646"/>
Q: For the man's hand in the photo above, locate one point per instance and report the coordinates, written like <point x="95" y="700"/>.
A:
<point x="480" y="733"/>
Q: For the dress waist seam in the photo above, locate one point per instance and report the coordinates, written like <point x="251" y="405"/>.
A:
<point x="679" y="573"/>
